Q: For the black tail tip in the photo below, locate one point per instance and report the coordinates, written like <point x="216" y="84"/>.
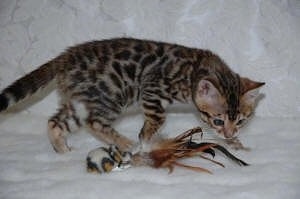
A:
<point x="3" y="102"/>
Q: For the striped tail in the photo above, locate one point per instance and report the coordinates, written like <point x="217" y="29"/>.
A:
<point x="27" y="85"/>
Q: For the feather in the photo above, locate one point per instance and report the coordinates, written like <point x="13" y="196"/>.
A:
<point x="166" y="153"/>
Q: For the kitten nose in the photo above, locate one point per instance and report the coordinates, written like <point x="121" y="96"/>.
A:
<point x="229" y="133"/>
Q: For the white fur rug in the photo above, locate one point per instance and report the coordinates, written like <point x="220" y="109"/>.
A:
<point x="257" y="38"/>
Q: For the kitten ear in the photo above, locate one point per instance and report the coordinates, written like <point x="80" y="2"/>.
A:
<point x="250" y="90"/>
<point x="208" y="92"/>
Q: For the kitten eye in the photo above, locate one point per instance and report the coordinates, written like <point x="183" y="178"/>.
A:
<point x="218" y="122"/>
<point x="240" y="122"/>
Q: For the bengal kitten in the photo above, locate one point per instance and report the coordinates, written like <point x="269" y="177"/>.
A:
<point x="97" y="80"/>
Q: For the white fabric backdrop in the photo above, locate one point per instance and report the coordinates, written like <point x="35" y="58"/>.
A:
<point x="258" y="39"/>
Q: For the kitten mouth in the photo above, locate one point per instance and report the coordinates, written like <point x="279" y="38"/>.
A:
<point x="233" y="137"/>
<point x="230" y="139"/>
<point x="223" y="136"/>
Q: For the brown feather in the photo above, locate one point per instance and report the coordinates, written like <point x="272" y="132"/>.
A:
<point x="167" y="153"/>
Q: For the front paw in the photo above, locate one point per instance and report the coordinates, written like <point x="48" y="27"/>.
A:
<point x="236" y="144"/>
<point x="136" y="148"/>
<point x="142" y="147"/>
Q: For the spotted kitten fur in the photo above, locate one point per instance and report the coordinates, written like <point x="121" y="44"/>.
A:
<point x="99" y="79"/>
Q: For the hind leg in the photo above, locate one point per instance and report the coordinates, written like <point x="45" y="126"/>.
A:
<point x="60" y="125"/>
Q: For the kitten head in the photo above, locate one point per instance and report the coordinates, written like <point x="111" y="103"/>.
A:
<point x="226" y="108"/>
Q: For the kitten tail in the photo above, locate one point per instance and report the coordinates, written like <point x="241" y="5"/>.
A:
<point x="27" y="85"/>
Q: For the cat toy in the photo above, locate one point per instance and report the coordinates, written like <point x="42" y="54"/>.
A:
<point x="163" y="153"/>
